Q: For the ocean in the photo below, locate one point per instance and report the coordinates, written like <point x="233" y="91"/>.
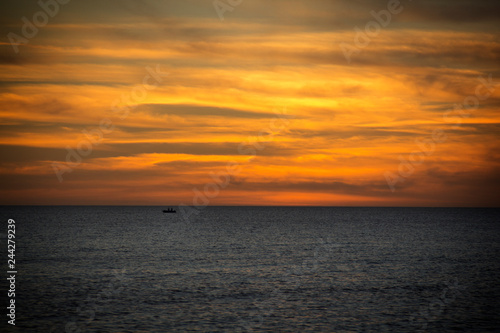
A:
<point x="252" y="269"/>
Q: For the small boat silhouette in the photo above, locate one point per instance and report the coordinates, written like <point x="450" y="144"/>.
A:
<point x="169" y="210"/>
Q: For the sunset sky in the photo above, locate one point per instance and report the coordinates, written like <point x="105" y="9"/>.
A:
<point x="311" y="108"/>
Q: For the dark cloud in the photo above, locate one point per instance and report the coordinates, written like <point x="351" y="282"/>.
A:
<point x="187" y="110"/>
<point x="477" y="187"/>
<point x="24" y="155"/>
<point x="196" y="148"/>
<point x="491" y="129"/>
<point x="458" y="11"/>
<point x="361" y="132"/>
<point x="378" y="188"/>
<point x="47" y="105"/>
<point x="11" y="59"/>
<point x="27" y="154"/>
<point x="69" y="82"/>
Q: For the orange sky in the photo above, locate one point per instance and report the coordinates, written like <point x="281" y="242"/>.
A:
<point x="345" y="126"/>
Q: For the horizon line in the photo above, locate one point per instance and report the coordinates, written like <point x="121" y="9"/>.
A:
<point x="270" y="206"/>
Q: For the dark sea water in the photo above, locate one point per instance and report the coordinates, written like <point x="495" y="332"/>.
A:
<point x="261" y="269"/>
